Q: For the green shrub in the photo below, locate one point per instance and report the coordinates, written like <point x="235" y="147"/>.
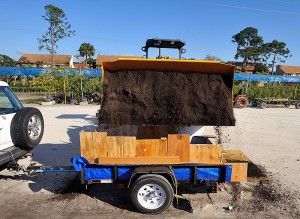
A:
<point x="277" y="90"/>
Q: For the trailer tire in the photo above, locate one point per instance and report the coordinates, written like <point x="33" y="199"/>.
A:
<point x="263" y="105"/>
<point x="297" y="105"/>
<point x="241" y="102"/>
<point x="27" y="128"/>
<point x="151" y="194"/>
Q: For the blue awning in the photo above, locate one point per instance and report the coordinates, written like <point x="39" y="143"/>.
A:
<point x="30" y="71"/>
<point x="266" y="78"/>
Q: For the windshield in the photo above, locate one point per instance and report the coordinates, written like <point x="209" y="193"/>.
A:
<point x="9" y="103"/>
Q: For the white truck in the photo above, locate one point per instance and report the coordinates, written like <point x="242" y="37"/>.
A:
<point x="21" y="128"/>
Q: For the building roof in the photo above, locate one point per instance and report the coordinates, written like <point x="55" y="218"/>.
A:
<point x="239" y="65"/>
<point x="290" y="69"/>
<point x="111" y="58"/>
<point x="45" y="59"/>
<point x="79" y="65"/>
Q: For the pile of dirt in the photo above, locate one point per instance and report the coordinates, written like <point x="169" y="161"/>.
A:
<point x="166" y="98"/>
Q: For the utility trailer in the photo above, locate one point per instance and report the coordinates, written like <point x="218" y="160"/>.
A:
<point x="152" y="186"/>
<point x="264" y="102"/>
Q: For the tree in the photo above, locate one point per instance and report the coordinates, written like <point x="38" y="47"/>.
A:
<point x="261" y="68"/>
<point x="86" y="50"/>
<point x="212" y="58"/>
<point x="249" y="45"/>
<point x="91" y="62"/>
<point x="277" y="51"/>
<point x="7" y="61"/>
<point x="59" y="28"/>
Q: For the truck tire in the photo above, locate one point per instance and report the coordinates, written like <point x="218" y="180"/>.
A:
<point x="297" y="105"/>
<point x="151" y="194"/>
<point x="27" y="128"/>
<point x="241" y="102"/>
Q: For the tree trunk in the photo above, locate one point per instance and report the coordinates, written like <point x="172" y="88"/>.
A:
<point x="273" y="64"/>
<point x="52" y="48"/>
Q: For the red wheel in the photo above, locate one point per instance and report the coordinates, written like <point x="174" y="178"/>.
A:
<point x="241" y="102"/>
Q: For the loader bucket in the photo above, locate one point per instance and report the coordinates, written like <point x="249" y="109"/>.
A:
<point x="170" y="65"/>
<point x="167" y="92"/>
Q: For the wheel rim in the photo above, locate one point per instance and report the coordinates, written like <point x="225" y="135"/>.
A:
<point x="242" y="102"/>
<point x="34" y="128"/>
<point x="151" y="196"/>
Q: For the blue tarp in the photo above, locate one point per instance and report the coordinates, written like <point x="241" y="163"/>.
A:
<point x="266" y="78"/>
<point x="27" y="71"/>
<point x="98" y="172"/>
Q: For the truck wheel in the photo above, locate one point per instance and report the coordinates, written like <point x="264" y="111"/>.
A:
<point x="27" y="128"/>
<point x="241" y="102"/>
<point x="152" y="194"/>
<point x="297" y="105"/>
<point x="287" y="105"/>
<point x="263" y="105"/>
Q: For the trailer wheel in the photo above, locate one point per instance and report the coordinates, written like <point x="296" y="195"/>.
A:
<point x="27" y="128"/>
<point x="241" y="102"/>
<point x="297" y="105"/>
<point x="287" y="105"/>
<point x="263" y="105"/>
<point x="152" y="194"/>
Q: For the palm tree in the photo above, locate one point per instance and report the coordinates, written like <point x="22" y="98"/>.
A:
<point x="86" y="50"/>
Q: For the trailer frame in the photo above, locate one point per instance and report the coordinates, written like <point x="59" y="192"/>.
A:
<point x="263" y="102"/>
<point x="142" y="177"/>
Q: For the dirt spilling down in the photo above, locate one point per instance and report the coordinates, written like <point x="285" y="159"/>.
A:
<point x="166" y="98"/>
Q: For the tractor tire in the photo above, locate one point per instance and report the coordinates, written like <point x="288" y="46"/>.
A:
<point x="297" y="105"/>
<point x="27" y="128"/>
<point x="152" y="194"/>
<point x="241" y="102"/>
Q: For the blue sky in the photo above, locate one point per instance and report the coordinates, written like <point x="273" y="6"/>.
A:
<point x="122" y="27"/>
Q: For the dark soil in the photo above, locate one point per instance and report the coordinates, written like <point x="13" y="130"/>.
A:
<point x="166" y="98"/>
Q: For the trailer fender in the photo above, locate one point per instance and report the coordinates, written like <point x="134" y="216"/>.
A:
<point x="163" y="171"/>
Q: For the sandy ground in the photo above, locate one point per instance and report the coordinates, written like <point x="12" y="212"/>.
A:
<point x="269" y="137"/>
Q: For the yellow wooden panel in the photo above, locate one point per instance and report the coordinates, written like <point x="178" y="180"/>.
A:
<point x="87" y="147"/>
<point x="204" y="153"/>
<point x="140" y="160"/>
<point x="185" y="148"/>
<point x="239" y="172"/>
<point x="179" y="145"/>
<point x="151" y="148"/>
<point x="174" y="145"/>
<point x="128" y="143"/>
<point x="121" y="146"/>
<point x="161" y="147"/>
<point x="100" y="144"/>
<point x="113" y="147"/>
